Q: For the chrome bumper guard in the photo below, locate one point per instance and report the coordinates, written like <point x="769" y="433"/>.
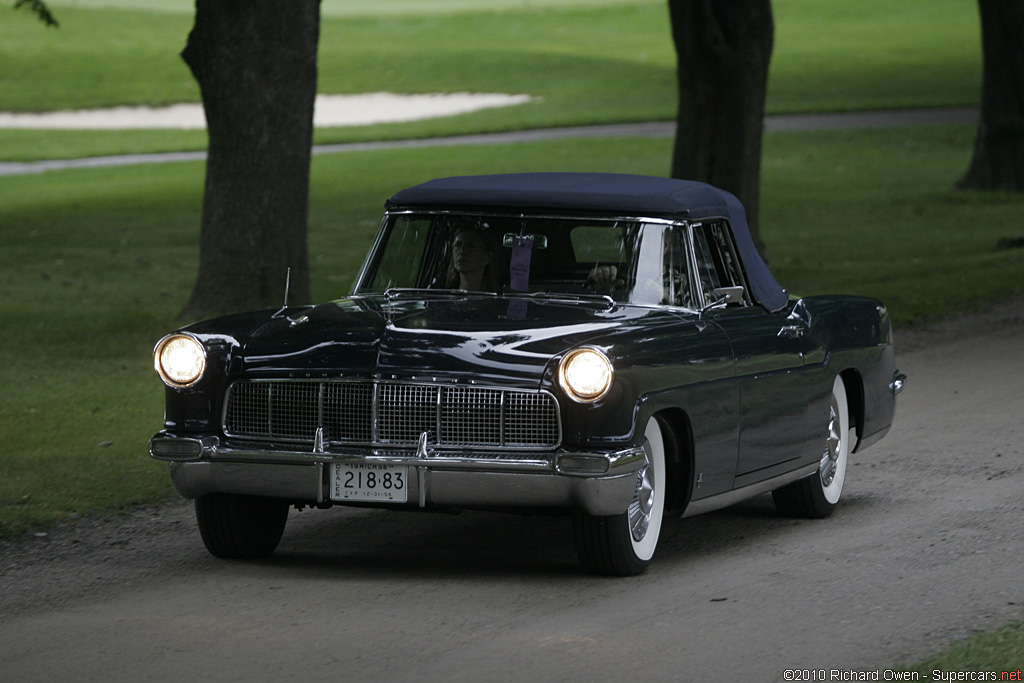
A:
<point x="598" y="483"/>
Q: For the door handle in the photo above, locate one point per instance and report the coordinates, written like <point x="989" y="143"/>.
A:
<point x="791" y="331"/>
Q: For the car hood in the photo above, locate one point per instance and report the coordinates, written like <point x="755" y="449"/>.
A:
<point x="491" y="338"/>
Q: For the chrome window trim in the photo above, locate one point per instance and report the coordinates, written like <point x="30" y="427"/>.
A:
<point x="633" y="218"/>
<point x="691" y="248"/>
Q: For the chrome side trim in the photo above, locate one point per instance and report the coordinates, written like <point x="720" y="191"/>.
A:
<point x="723" y="500"/>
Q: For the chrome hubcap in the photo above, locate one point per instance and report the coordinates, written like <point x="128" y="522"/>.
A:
<point x="827" y="467"/>
<point x="643" y="503"/>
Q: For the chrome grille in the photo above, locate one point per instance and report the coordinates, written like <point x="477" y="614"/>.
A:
<point x="405" y="411"/>
<point x="526" y="417"/>
<point x="348" y="410"/>
<point x="471" y="416"/>
<point x="248" y="407"/>
<point x="391" y="413"/>
<point x="293" y="409"/>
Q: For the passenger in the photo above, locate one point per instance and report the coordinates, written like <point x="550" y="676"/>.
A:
<point x="472" y="262"/>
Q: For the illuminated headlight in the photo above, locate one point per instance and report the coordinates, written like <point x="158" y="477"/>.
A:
<point x="179" y="360"/>
<point x="585" y="374"/>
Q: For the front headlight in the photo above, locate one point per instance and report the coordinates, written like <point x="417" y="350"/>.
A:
<point x="180" y="360"/>
<point x="585" y="374"/>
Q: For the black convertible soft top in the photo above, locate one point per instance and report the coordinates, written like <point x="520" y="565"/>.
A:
<point x="626" y="196"/>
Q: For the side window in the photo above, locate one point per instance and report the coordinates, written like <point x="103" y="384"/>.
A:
<point x="717" y="264"/>
<point x="676" y="270"/>
<point x="662" y="268"/>
<point x="707" y="274"/>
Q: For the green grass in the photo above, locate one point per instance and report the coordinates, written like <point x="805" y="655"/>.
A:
<point x="997" y="651"/>
<point x="585" y="62"/>
<point x="872" y="213"/>
<point x="90" y="277"/>
<point x="348" y="8"/>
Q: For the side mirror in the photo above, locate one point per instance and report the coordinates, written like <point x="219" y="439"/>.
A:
<point x="729" y="295"/>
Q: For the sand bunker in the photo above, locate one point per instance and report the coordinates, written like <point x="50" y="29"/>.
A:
<point x="330" y="110"/>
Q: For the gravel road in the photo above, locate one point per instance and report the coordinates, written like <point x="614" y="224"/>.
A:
<point x="927" y="546"/>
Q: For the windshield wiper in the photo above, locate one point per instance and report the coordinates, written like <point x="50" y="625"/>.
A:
<point x="419" y="292"/>
<point x="413" y="292"/>
<point x="564" y="296"/>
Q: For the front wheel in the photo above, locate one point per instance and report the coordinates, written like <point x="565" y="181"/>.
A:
<point x="817" y="496"/>
<point x="623" y="544"/>
<point x="237" y="527"/>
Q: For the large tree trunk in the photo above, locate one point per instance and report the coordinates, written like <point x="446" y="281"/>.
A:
<point x="255" y="62"/>
<point x="998" y="162"/>
<point x="723" y="49"/>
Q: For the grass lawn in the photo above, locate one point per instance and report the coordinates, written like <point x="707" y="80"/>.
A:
<point x="999" y="652"/>
<point x="585" y="62"/>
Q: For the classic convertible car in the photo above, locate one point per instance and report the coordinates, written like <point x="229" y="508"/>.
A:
<point x="608" y="346"/>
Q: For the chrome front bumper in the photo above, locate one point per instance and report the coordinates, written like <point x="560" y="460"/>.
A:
<point x="597" y="483"/>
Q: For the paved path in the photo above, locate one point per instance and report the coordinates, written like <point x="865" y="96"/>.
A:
<point x="910" y="117"/>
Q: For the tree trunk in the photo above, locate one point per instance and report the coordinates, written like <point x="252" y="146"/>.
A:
<point x="255" y="62"/>
<point x="723" y="49"/>
<point x="998" y="162"/>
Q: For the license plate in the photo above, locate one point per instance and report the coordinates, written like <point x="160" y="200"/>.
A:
<point x="370" y="482"/>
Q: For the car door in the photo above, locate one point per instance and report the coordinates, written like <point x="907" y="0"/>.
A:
<point x="774" y="430"/>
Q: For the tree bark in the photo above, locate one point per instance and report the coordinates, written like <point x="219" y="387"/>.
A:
<point x="998" y="162"/>
<point x="255" y="62"/>
<point x="723" y="50"/>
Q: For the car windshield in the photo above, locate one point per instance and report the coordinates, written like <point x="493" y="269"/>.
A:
<point x="629" y="261"/>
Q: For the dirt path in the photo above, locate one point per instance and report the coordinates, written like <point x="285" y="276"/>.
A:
<point x="927" y="546"/>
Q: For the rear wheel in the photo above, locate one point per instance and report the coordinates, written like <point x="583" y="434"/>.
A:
<point x="238" y="527"/>
<point x="817" y="496"/>
<point x="623" y="544"/>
